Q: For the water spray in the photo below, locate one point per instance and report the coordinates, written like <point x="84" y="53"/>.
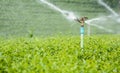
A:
<point x="82" y="21"/>
<point x="69" y="15"/>
<point x="115" y="14"/>
<point x="89" y="22"/>
<point x="107" y="7"/>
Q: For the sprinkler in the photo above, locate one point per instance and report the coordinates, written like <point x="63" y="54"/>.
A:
<point x="82" y="21"/>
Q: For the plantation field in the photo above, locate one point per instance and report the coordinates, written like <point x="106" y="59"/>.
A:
<point x="35" y="38"/>
<point x="60" y="54"/>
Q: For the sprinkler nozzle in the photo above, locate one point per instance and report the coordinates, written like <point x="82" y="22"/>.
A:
<point x="81" y="20"/>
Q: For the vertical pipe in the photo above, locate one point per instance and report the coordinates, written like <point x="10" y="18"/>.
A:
<point x="82" y="41"/>
<point x="82" y="36"/>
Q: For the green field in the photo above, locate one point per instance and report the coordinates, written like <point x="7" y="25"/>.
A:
<point x="37" y="39"/>
<point x="60" y="54"/>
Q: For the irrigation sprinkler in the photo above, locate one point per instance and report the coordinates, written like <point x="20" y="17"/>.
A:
<point x="82" y="21"/>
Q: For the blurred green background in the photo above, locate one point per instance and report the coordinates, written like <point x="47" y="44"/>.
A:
<point x="31" y="17"/>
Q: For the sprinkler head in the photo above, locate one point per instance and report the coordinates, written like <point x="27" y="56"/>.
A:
<point x="81" y="20"/>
